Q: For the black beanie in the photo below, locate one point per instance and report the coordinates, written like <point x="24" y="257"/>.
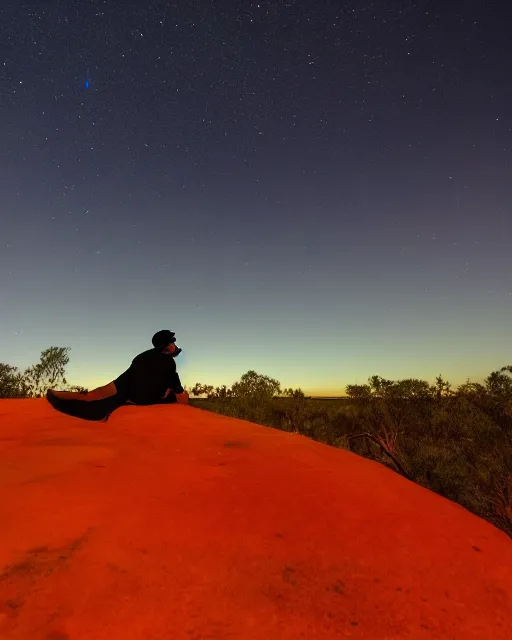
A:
<point x="163" y="339"/>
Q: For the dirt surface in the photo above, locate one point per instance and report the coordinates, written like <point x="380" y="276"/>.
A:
<point x="172" y="523"/>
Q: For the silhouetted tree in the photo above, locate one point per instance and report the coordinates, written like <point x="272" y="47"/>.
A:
<point x="12" y="382"/>
<point x="48" y="372"/>
<point x="77" y="388"/>
<point x="442" y="387"/>
<point x="197" y="389"/>
<point x="222" y="393"/>
<point x="294" y="393"/>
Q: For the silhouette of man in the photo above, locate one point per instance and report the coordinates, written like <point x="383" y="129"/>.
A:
<point x="151" y="379"/>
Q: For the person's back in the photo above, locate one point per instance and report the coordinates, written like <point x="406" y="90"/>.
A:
<point x="151" y="374"/>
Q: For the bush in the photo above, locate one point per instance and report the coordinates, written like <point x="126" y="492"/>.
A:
<point x="12" y="382"/>
<point x="457" y="443"/>
<point x="34" y="382"/>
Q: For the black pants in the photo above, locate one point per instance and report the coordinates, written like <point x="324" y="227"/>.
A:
<point x="98" y="409"/>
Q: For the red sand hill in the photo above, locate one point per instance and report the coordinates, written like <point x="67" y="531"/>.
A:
<point x="171" y="523"/>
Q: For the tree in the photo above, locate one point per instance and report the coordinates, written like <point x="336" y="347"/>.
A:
<point x="442" y="387"/>
<point x="252" y="397"/>
<point x="359" y="391"/>
<point x="494" y="397"/>
<point x="380" y="386"/>
<point x="197" y="389"/>
<point x="499" y="383"/>
<point x="471" y="389"/>
<point x="48" y="372"/>
<point x="255" y="388"/>
<point x="222" y="393"/>
<point x="77" y="388"/>
<point x="12" y="383"/>
<point x="387" y="409"/>
<point x="208" y="390"/>
<point x="295" y="394"/>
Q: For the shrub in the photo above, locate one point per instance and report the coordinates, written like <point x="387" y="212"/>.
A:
<point x="457" y="443"/>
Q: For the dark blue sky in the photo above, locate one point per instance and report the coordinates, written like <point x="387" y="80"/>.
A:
<point x="315" y="192"/>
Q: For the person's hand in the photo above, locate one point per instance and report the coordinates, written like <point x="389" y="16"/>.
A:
<point x="182" y="398"/>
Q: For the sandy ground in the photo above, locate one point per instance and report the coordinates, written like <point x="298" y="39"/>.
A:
<point x="171" y="523"/>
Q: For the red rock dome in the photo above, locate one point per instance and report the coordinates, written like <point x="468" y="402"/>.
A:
<point x="171" y="523"/>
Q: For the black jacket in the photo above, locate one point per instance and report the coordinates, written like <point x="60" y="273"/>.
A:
<point x="150" y="375"/>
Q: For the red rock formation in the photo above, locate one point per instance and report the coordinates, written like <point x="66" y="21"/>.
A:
<point x="169" y="522"/>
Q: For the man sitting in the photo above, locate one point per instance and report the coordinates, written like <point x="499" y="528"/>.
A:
<point x="151" y="379"/>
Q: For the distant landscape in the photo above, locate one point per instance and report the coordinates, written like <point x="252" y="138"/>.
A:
<point x="454" y="441"/>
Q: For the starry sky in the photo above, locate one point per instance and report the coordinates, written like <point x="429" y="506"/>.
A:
<point x="320" y="191"/>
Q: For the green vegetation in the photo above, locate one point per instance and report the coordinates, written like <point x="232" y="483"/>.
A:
<point x="457" y="443"/>
<point x="34" y="382"/>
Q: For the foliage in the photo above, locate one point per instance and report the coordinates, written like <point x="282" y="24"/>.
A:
<point x="251" y="397"/>
<point x="457" y="443"/>
<point x="48" y="372"/>
<point x="255" y="388"/>
<point x="217" y="393"/>
<point x="12" y="383"/>
<point x="77" y="389"/>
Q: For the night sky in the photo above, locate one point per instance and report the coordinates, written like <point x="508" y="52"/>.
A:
<point x="320" y="191"/>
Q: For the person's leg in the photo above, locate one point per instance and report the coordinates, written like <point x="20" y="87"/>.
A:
<point x="94" y="405"/>
<point x="100" y="393"/>
<point x="96" y="410"/>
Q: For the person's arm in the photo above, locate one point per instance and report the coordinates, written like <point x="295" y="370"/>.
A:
<point x="175" y="382"/>
<point x="179" y="392"/>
